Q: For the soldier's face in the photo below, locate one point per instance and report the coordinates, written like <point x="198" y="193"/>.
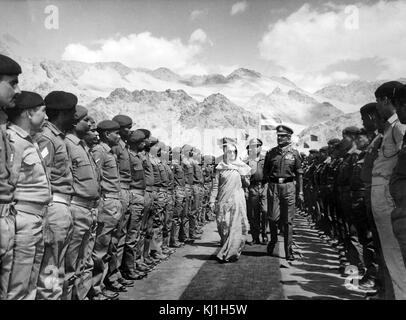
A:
<point x="113" y="137"/>
<point x="283" y="139"/>
<point x="369" y="122"/>
<point x="125" y="132"/>
<point x="401" y="111"/>
<point x="9" y="90"/>
<point x="92" y="137"/>
<point x="362" y="141"/>
<point x="37" y="118"/>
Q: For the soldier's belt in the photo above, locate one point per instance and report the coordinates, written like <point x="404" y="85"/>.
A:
<point x="61" y="198"/>
<point x="86" y="203"/>
<point x="281" y="180"/>
<point x="111" y="195"/>
<point x="31" y="207"/>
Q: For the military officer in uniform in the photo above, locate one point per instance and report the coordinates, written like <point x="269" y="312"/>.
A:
<point x="256" y="200"/>
<point x="281" y="168"/>
<point x="31" y="197"/>
<point x="9" y="71"/>
<point x="60" y="108"/>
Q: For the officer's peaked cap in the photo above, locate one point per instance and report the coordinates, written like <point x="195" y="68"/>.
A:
<point x="283" y="130"/>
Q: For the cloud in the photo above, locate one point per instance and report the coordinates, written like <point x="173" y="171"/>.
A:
<point x="333" y="34"/>
<point x="239" y="7"/>
<point x="146" y="51"/>
<point x="195" y="14"/>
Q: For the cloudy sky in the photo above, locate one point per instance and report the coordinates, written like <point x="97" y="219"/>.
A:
<point x="313" y="43"/>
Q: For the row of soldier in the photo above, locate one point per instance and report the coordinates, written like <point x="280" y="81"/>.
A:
<point x="86" y="209"/>
<point x="354" y="192"/>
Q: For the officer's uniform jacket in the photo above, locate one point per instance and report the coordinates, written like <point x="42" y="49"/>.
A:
<point x="282" y="163"/>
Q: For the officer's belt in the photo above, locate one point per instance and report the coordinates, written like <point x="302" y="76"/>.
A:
<point x="83" y="202"/>
<point x="281" y="180"/>
<point x="111" y="195"/>
<point x="125" y="186"/>
<point x="61" y="198"/>
<point x="31" y="207"/>
<point x="141" y="192"/>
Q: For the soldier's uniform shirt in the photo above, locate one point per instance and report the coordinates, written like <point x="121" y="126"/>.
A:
<point x="148" y="169"/>
<point x="53" y="150"/>
<point x="370" y="155"/>
<point x="345" y="170"/>
<point x="107" y="162"/>
<point x="391" y="145"/>
<point x="188" y="170"/>
<point x="178" y="174"/>
<point x="170" y="174"/>
<point x="86" y="175"/>
<point x="282" y="163"/>
<point x="137" y="171"/>
<point x="32" y="182"/>
<point x="197" y="172"/>
<point x="356" y="182"/>
<point x="6" y="155"/>
<point x="399" y="172"/>
<point x="123" y="158"/>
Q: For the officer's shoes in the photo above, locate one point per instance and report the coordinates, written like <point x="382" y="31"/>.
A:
<point x="199" y="231"/>
<point x="168" y="251"/>
<point x="143" y="268"/>
<point x="125" y="282"/>
<point x="248" y="243"/>
<point x="105" y="295"/>
<point x="115" y="287"/>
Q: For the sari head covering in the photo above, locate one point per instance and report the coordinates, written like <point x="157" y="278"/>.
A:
<point x="237" y="164"/>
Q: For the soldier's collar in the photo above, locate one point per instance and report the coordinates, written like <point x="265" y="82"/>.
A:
<point x="20" y="131"/>
<point x="122" y="143"/>
<point x="73" y="138"/>
<point x="54" y="129"/>
<point x="105" y="146"/>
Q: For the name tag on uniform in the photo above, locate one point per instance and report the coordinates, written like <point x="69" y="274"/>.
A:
<point x="44" y="153"/>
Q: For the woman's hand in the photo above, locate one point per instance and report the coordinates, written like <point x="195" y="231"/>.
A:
<point x="211" y="206"/>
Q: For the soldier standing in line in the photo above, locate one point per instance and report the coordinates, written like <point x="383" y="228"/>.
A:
<point x="31" y="197"/>
<point x="308" y="182"/>
<point x="84" y="203"/>
<point x="180" y="197"/>
<point x="123" y="158"/>
<point x="256" y="200"/>
<point x="207" y="176"/>
<point x="318" y="186"/>
<point x="133" y="266"/>
<point x="282" y="166"/>
<point x="198" y="181"/>
<point x="9" y="71"/>
<point x="60" y="108"/>
<point x="110" y="212"/>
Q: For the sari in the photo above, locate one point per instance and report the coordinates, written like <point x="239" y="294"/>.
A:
<point x="231" y="210"/>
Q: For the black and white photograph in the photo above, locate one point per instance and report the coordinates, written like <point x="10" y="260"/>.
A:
<point x="218" y="151"/>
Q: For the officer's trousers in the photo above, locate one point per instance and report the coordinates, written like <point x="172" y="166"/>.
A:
<point x="78" y="253"/>
<point x="108" y="219"/>
<point x="119" y="239"/>
<point x="28" y="253"/>
<point x="134" y="242"/>
<point x="281" y="209"/>
<point x="398" y="192"/>
<point x="168" y="218"/>
<point x="180" y="200"/>
<point x="188" y="226"/>
<point x="58" y="229"/>
<point x="257" y="210"/>
<point x="158" y="220"/>
<point x="7" y="234"/>
<point x="382" y="207"/>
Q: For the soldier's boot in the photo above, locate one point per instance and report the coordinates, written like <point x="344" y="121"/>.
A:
<point x="165" y="246"/>
<point x="173" y="241"/>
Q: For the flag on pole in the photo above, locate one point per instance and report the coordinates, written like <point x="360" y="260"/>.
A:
<point x="314" y="138"/>
<point x="266" y="124"/>
<point x="305" y="145"/>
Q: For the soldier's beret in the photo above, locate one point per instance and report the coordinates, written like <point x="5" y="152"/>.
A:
<point x="136" y="136"/>
<point x="254" y="142"/>
<point x="146" y="132"/>
<point x="283" y="130"/>
<point x="81" y="113"/>
<point x="123" y="120"/>
<point x="351" y="130"/>
<point x="387" y="89"/>
<point x="8" y="66"/>
<point x="60" y="100"/>
<point x="324" y="149"/>
<point x="187" y="148"/>
<point x="400" y="94"/>
<point x="333" y="141"/>
<point x="153" y="141"/>
<point x="368" y="108"/>
<point x="108" y="125"/>
<point x="28" y="100"/>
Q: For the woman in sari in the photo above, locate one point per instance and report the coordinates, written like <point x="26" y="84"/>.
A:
<point x="228" y="201"/>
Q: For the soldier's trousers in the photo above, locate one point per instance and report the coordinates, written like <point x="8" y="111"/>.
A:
<point x="108" y="219"/>
<point x="180" y="200"/>
<point x="134" y="242"/>
<point x="58" y="229"/>
<point x="119" y="237"/>
<point x="28" y="253"/>
<point x="206" y="201"/>
<point x="188" y="226"/>
<point x="382" y="207"/>
<point x="77" y="284"/>
<point x="398" y="216"/>
<point x="7" y="234"/>
<point x="281" y="209"/>
<point x="148" y="220"/>
<point x="196" y="208"/>
<point x="158" y="220"/>
<point x="168" y="217"/>
<point x="257" y="210"/>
